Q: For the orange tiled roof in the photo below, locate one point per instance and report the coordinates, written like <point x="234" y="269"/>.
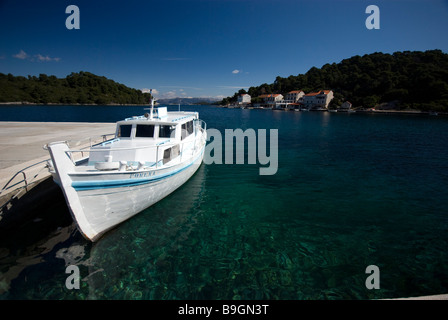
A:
<point x="269" y="95"/>
<point x="318" y="92"/>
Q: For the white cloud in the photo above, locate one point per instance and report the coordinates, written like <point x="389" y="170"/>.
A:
<point x="145" y="90"/>
<point x="168" y="95"/>
<point x="22" y="55"/>
<point x="236" y="71"/>
<point x="46" y="58"/>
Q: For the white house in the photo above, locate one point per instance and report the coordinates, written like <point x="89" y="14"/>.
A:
<point x="273" y="98"/>
<point x="294" y="96"/>
<point x="318" y="100"/>
<point x="244" y="98"/>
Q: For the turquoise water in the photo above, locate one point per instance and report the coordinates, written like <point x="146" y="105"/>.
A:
<point x="351" y="190"/>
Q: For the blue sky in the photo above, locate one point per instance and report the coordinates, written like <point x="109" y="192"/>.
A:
<point x="208" y="48"/>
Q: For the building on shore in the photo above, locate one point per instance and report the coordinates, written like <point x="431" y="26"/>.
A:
<point x="296" y="99"/>
<point x="318" y="100"/>
<point x="244" y="99"/>
<point x="270" y="100"/>
<point x="294" y="96"/>
<point x="273" y="98"/>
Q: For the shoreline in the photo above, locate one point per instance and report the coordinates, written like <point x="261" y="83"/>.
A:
<point x="399" y="112"/>
<point x="390" y="111"/>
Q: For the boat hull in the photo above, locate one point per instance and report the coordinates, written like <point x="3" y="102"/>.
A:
<point x="100" y="202"/>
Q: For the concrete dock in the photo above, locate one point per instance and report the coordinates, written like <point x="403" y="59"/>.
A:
<point x="21" y="146"/>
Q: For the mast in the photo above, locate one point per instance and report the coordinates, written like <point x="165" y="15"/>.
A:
<point x="152" y="105"/>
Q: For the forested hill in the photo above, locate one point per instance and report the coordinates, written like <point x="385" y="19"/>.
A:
<point x="412" y="79"/>
<point x="76" y="88"/>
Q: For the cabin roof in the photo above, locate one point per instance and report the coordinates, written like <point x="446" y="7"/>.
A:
<point x="170" y="118"/>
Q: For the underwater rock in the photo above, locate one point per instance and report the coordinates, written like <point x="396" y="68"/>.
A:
<point x="71" y="255"/>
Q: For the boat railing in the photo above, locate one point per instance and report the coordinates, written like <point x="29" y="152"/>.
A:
<point x="85" y="144"/>
<point x="21" y="182"/>
<point x="25" y="179"/>
<point x="92" y="141"/>
<point x="202" y="125"/>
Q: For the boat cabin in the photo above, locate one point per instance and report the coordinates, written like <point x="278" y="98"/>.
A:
<point x="148" y="140"/>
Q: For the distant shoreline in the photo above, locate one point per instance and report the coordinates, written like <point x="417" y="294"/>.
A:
<point x="389" y="111"/>
<point x="399" y="112"/>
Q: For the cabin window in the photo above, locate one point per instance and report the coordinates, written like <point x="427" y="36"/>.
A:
<point x="144" y="131"/>
<point x="187" y="129"/>
<point x="171" y="153"/>
<point x="124" y="130"/>
<point x="175" y="151"/>
<point x="190" y="127"/>
<point x="166" y="155"/>
<point x="165" y="131"/>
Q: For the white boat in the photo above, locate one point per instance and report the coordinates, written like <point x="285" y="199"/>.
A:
<point x="149" y="157"/>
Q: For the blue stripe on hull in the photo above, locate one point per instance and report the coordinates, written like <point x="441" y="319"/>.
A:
<point x="106" y="184"/>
